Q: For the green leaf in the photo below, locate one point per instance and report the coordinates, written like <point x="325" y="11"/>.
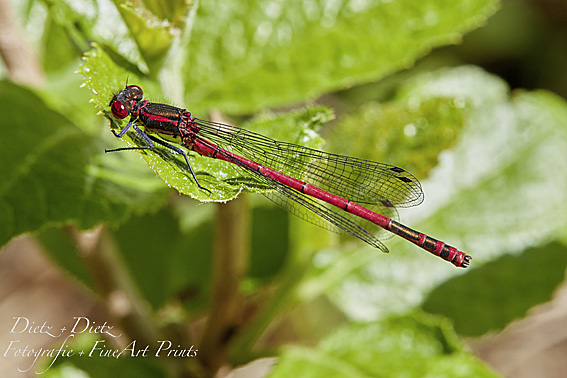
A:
<point x="267" y="54"/>
<point x="408" y="132"/>
<point x="523" y="281"/>
<point x="413" y="346"/>
<point x="98" y="22"/>
<point x="76" y="25"/>
<point x="269" y="242"/>
<point x="174" y="265"/>
<point x="244" y="56"/>
<point x="61" y="246"/>
<point x="54" y="172"/>
<point x="105" y="77"/>
<point x="173" y="10"/>
<point x="153" y="34"/>
<point x="496" y="191"/>
<point x="61" y="52"/>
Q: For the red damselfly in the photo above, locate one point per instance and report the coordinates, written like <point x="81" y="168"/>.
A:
<point x="325" y="189"/>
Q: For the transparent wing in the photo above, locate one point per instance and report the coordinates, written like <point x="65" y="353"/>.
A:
<point x="362" y="181"/>
<point x="323" y="214"/>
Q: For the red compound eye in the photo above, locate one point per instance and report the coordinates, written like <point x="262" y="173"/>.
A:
<point x="119" y="110"/>
<point x="136" y="87"/>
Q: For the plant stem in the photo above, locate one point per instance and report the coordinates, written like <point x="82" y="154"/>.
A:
<point x="230" y="263"/>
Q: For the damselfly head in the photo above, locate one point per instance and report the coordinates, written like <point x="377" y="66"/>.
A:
<point x="122" y="103"/>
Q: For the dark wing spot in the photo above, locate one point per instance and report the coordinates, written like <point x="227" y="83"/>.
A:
<point x="387" y="203"/>
<point x="404" y="179"/>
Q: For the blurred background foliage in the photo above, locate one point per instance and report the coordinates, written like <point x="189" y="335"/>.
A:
<point x="469" y="96"/>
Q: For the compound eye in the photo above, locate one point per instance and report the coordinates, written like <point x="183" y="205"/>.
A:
<point x="137" y="88"/>
<point x="119" y="110"/>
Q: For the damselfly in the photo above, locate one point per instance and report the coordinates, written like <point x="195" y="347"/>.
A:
<point x="323" y="188"/>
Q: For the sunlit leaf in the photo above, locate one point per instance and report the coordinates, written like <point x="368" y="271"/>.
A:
<point x="244" y="56"/>
<point x="415" y="346"/>
<point x="509" y="165"/>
